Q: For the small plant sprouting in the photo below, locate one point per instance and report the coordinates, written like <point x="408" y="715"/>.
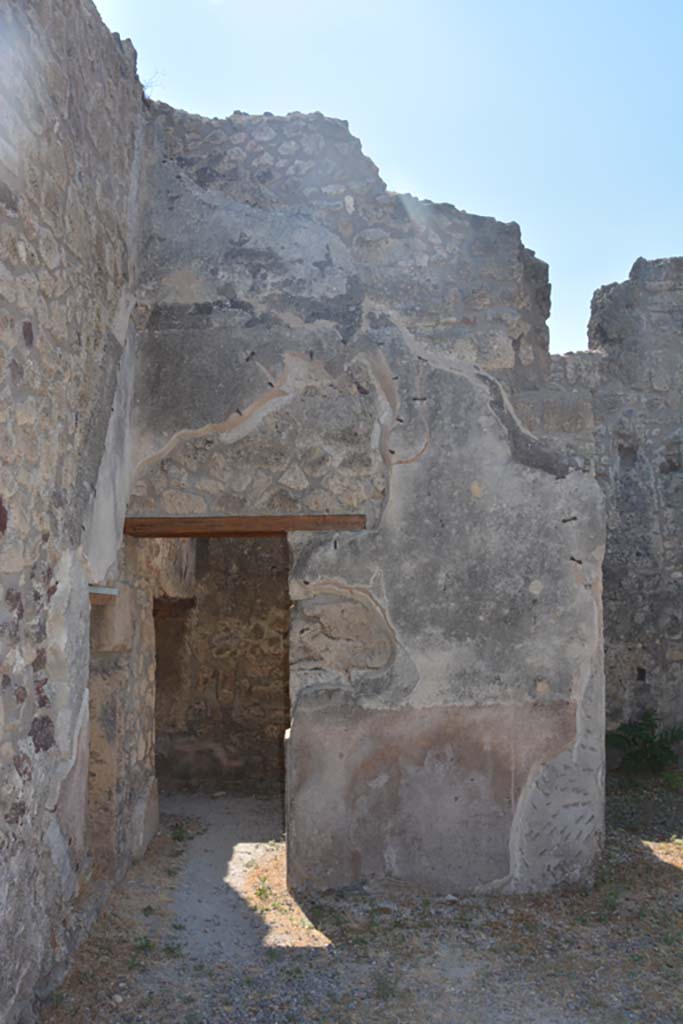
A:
<point x="673" y="780"/>
<point x="143" y="944"/>
<point x="179" y="833"/>
<point x="263" y="891"/>
<point x="644" y="745"/>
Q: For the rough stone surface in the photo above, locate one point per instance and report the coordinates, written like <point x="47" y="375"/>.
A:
<point x="71" y="117"/>
<point x="235" y="317"/>
<point x="122" y="788"/>
<point x="122" y="799"/>
<point x="620" y="408"/>
<point x="222" y="698"/>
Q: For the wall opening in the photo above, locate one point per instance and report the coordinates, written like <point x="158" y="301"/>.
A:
<point x="222" y="671"/>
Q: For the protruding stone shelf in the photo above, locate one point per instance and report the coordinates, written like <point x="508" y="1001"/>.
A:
<point x="237" y="526"/>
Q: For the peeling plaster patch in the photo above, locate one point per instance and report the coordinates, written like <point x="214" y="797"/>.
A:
<point x="295" y="376"/>
<point x="300" y="592"/>
<point x="526" y="448"/>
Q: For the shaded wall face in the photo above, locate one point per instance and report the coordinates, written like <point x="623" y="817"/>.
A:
<point x="639" y="446"/>
<point x="122" y="805"/>
<point x="222" y="678"/>
<point x="122" y="797"/>
<point x="620" y="407"/>
<point x="311" y="343"/>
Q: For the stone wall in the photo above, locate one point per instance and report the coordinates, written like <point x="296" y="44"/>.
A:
<point x="238" y="317"/>
<point x="122" y="790"/>
<point x="122" y="806"/>
<point x="71" y="114"/>
<point x="619" y="407"/>
<point x="310" y="342"/>
<point x="638" y="410"/>
<point x="222" y="695"/>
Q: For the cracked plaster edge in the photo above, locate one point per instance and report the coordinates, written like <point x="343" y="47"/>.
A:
<point x="515" y="881"/>
<point x="297" y="373"/>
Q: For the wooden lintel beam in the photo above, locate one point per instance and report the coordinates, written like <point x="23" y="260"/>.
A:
<point x="237" y="526"/>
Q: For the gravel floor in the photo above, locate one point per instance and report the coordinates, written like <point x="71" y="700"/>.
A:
<point x="203" y="931"/>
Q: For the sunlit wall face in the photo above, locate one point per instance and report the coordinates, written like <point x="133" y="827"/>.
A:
<point x="558" y="116"/>
<point x="15" y="136"/>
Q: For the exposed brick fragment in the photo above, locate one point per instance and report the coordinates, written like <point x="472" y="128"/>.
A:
<point x="42" y="732"/>
<point x="42" y="697"/>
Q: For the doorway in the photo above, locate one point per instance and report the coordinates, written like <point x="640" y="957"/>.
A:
<point x="222" y="670"/>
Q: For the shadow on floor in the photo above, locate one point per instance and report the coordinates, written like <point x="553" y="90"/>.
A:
<point x="204" y="932"/>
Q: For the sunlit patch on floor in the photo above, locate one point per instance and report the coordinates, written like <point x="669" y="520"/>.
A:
<point x="669" y="853"/>
<point x="264" y="887"/>
<point x="203" y="929"/>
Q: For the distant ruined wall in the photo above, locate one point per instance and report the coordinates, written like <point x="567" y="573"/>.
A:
<point x="222" y="682"/>
<point x="310" y="342"/>
<point x="70" y="117"/>
<point x="620" y="406"/>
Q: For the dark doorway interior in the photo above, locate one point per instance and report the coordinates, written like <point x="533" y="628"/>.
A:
<point x="222" y="677"/>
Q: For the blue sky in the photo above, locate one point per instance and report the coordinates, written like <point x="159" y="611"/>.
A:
<point x="563" y="115"/>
